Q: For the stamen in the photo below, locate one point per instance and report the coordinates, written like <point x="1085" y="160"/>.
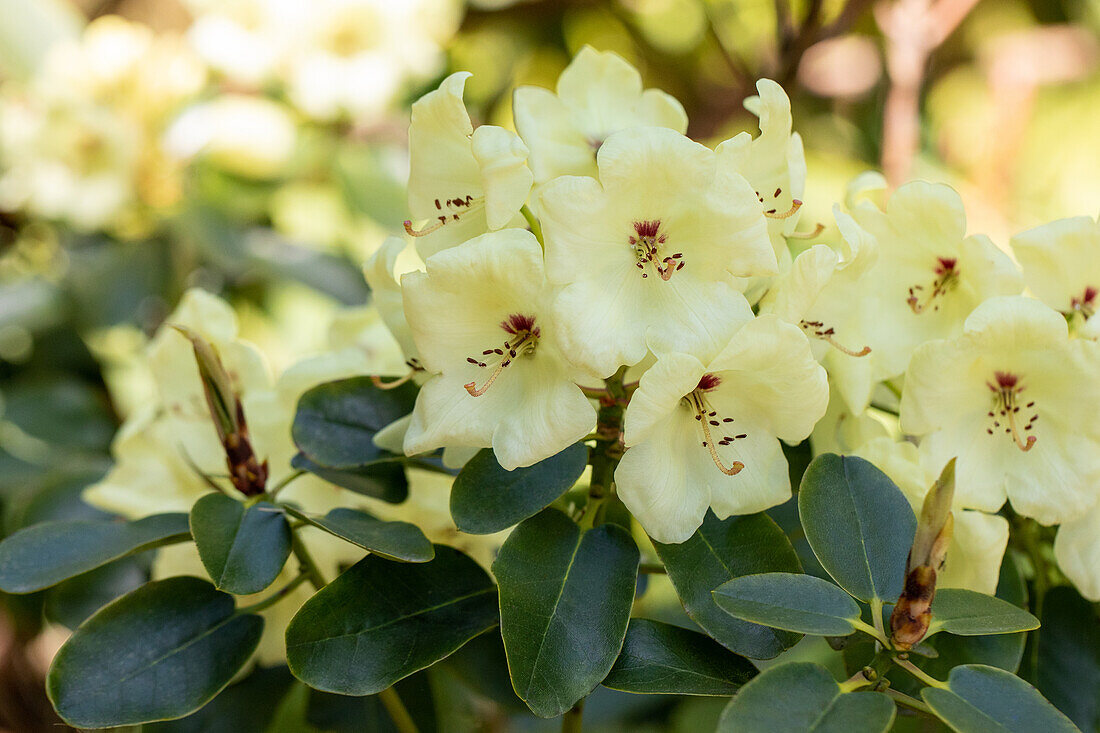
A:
<point x="795" y="206"/>
<point x="471" y="387"/>
<point x="818" y="229"/>
<point x="455" y="208"/>
<point x="645" y="245"/>
<point x="377" y="381"/>
<point x="946" y="278"/>
<point x="1006" y="388"/>
<point x="735" y="467"/>
<point x="817" y="330"/>
<point x="704" y="416"/>
<point x="525" y="339"/>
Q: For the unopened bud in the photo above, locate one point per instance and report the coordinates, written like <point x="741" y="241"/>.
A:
<point x="246" y="472"/>
<point x="913" y="613"/>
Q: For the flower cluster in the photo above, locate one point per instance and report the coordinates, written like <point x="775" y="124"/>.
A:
<point x="598" y="242"/>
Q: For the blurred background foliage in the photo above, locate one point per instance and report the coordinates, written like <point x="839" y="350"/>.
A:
<point x="256" y="148"/>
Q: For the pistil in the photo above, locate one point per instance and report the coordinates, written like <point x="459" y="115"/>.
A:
<point x="947" y="276"/>
<point x="708" y="418"/>
<point x="524" y="340"/>
<point x="1006" y="388"/>
<point x="817" y="329"/>
<point x="451" y="210"/>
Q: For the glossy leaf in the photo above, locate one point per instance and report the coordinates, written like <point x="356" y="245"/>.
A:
<point x="380" y="621"/>
<point x="242" y="548"/>
<point x="160" y="652"/>
<point x="565" y="599"/>
<point x="486" y="498"/>
<point x="801" y="697"/>
<point x="1068" y="656"/>
<point x="336" y="422"/>
<point x="859" y="525"/>
<point x="46" y="554"/>
<point x="790" y="601"/>
<point x="720" y="550"/>
<point x="659" y="658"/>
<point x="979" y="699"/>
<point x="968" y="613"/>
<point x="383" y="479"/>
<point x="391" y="540"/>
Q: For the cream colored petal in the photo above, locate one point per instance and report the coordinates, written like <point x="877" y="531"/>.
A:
<point x="794" y="292"/>
<point x="557" y="146"/>
<point x="975" y="553"/>
<point x="764" y="482"/>
<point x="659" y="395"/>
<point x="1077" y="550"/>
<point x="505" y="177"/>
<point x="1060" y="259"/>
<point x="663" y="479"/>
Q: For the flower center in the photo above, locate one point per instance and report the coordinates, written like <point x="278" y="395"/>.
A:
<point x="946" y="278"/>
<point x="773" y="212"/>
<point x="709" y="418"/>
<point x="647" y="243"/>
<point x="1006" y="389"/>
<point x="450" y="211"/>
<point x="1086" y="304"/>
<point x="523" y="338"/>
<point x="817" y="329"/>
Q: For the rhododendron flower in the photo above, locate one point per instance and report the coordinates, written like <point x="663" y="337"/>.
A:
<point x="1061" y="264"/>
<point x="481" y="320"/>
<point x="1015" y="399"/>
<point x="598" y="93"/>
<point x="773" y="163"/>
<point x="462" y="182"/>
<point x="978" y="540"/>
<point x="651" y="250"/>
<point x="706" y="433"/>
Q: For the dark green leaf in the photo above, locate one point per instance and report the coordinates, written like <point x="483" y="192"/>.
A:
<point x="859" y="525"/>
<point x="160" y="652"/>
<point x="482" y="666"/>
<point x="342" y="714"/>
<point x="384" y="479"/>
<point x="801" y="697"/>
<point x="392" y="540"/>
<point x="721" y="550"/>
<point x="659" y="658"/>
<point x="565" y="598"/>
<point x="968" y="613"/>
<point x="243" y="706"/>
<point x="381" y="621"/>
<point x="486" y="499"/>
<point x="979" y="699"/>
<point x="1069" y="656"/>
<point x="336" y="422"/>
<point x="242" y="548"/>
<point x="800" y="603"/>
<point x="73" y="601"/>
<point x="45" y="554"/>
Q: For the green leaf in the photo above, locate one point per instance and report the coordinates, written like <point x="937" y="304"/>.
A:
<point x="383" y="479"/>
<point x="242" y="548"/>
<point x="158" y="653"/>
<point x="73" y="601"/>
<point x="565" y="598"/>
<point x="336" y="422"/>
<point x="381" y="621"/>
<point x="246" y="705"/>
<point x="1068" y="656"/>
<point x="979" y="699"/>
<point x="391" y="540"/>
<point x="486" y="499"/>
<point x="721" y="550"/>
<point x="800" y="697"/>
<point x="968" y="613"/>
<point x="859" y="525"/>
<point x="800" y="603"/>
<point x="662" y="659"/>
<point x="46" y="554"/>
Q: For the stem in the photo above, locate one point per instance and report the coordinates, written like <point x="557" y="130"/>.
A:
<point x="892" y="387"/>
<point x="856" y="682"/>
<point x="876" y="616"/>
<point x="909" y="702"/>
<point x="533" y="222"/>
<point x="400" y="715"/>
<point x="309" y="565"/>
<point x="275" y="597"/>
<point x="884" y="408"/>
<point x="919" y="673"/>
<point x="571" y="721"/>
<point x="652" y="568"/>
<point x="286" y="480"/>
<point x="869" y="630"/>
<point x="593" y="392"/>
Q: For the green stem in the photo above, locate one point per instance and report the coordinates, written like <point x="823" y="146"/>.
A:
<point x="909" y="702"/>
<point x="652" y="568"/>
<point x="571" y="721"/>
<point x="892" y="387"/>
<point x="919" y="673"/>
<point x="869" y="630"/>
<point x="400" y="715"/>
<point x="533" y="222"/>
<point x="309" y="565"/>
<point x="856" y="682"/>
<point x="876" y="616"/>
<point x="286" y="480"/>
<point x="274" y="598"/>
